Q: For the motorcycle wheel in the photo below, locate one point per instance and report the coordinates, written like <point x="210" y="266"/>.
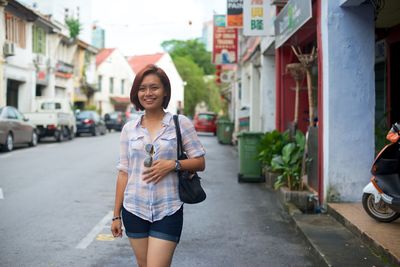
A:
<point x="379" y="211"/>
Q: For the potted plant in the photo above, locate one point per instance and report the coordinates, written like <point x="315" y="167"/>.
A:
<point x="271" y="144"/>
<point x="288" y="163"/>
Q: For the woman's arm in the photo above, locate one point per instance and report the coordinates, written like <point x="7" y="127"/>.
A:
<point x="122" y="180"/>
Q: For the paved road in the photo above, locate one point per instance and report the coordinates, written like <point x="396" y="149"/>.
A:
<point x="58" y="200"/>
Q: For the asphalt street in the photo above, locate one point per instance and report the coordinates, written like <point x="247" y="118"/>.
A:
<point x="57" y="201"/>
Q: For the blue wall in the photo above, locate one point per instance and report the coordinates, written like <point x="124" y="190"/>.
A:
<point x="348" y="98"/>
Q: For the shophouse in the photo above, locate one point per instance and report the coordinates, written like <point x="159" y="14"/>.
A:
<point x="114" y="78"/>
<point x="347" y="90"/>
<point x="26" y="49"/>
<point x="164" y="61"/>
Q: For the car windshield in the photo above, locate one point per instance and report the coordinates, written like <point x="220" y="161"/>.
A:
<point x="114" y="116"/>
<point x="83" y="115"/>
<point x="208" y="117"/>
<point x="50" y="106"/>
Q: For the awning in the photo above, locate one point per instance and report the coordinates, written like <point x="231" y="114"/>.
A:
<point x="120" y="100"/>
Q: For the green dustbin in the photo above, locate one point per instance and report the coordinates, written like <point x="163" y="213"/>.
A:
<point x="224" y="131"/>
<point x="250" y="169"/>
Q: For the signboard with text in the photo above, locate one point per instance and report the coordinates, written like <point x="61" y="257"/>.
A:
<point x="235" y="13"/>
<point x="258" y="16"/>
<point x="294" y="15"/>
<point x="225" y="46"/>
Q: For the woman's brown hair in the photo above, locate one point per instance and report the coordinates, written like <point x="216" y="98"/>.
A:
<point x="150" y="69"/>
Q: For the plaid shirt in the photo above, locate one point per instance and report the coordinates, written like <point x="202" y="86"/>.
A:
<point x="152" y="202"/>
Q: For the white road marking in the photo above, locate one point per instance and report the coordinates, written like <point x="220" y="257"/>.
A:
<point x="6" y="155"/>
<point x="1" y="194"/>
<point x="85" y="242"/>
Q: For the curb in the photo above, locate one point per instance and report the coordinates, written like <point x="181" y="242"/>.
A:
<point x="293" y="211"/>
<point x="332" y="243"/>
<point x="381" y="250"/>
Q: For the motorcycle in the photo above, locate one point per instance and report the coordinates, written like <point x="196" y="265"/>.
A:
<point x="381" y="197"/>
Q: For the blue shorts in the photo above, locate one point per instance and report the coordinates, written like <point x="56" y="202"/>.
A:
<point x="169" y="228"/>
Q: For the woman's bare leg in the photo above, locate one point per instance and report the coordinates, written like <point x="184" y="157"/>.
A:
<point x="139" y="246"/>
<point x="160" y="252"/>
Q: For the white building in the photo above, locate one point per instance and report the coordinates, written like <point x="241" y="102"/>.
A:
<point x="29" y="38"/>
<point x="164" y="61"/>
<point x="115" y="77"/>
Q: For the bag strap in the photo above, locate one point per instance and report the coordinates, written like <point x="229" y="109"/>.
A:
<point x="178" y="137"/>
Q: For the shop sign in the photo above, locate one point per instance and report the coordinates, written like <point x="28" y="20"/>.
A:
<point x="64" y="70"/>
<point x="257" y="18"/>
<point x="219" y="21"/>
<point x="225" y="45"/>
<point x="41" y="77"/>
<point x="294" y="15"/>
<point x="235" y="13"/>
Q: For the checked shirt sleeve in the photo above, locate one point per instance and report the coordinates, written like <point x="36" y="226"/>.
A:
<point x="190" y="140"/>
<point x="123" y="151"/>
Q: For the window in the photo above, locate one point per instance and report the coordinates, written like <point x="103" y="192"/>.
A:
<point x="15" y="30"/>
<point x="111" y="85"/>
<point x="122" y="86"/>
<point x="38" y="40"/>
<point x="100" y="80"/>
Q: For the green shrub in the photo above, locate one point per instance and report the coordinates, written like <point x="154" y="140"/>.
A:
<point x="288" y="163"/>
<point x="271" y="144"/>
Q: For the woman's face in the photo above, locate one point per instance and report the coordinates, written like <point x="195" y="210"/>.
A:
<point x="151" y="92"/>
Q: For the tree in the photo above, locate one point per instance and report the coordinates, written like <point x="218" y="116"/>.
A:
<point x="195" y="89"/>
<point x="74" y="27"/>
<point x="193" y="49"/>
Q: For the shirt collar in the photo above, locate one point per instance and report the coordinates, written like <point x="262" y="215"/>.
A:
<point x="165" y="121"/>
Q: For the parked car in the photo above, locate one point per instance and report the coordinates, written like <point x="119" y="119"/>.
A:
<point x="53" y="117"/>
<point x="115" y="120"/>
<point x="133" y="114"/>
<point x="15" y="128"/>
<point x="205" y="122"/>
<point x="88" y="121"/>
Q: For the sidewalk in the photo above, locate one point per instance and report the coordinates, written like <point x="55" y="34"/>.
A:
<point x="382" y="237"/>
<point x="347" y="236"/>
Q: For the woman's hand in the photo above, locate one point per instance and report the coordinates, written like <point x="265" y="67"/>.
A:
<point x="116" y="228"/>
<point x="158" y="170"/>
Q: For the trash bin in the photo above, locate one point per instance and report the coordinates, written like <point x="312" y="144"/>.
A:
<point x="224" y="131"/>
<point x="250" y="169"/>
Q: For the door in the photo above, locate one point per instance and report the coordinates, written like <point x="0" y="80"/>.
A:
<point x="12" y="93"/>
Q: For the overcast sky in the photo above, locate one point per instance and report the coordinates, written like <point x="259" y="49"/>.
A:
<point x="139" y="26"/>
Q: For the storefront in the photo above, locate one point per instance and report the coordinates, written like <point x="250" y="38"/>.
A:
<point x="296" y="27"/>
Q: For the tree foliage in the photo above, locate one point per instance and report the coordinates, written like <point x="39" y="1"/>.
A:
<point x="195" y="86"/>
<point x="193" y="62"/>
<point x="193" y="49"/>
<point x="74" y="27"/>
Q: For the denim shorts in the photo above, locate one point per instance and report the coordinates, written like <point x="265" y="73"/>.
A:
<point x="169" y="228"/>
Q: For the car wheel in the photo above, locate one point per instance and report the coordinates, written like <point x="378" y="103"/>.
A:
<point x="71" y="133"/>
<point x="9" y="145"/>
<point x="59" y="135"/>
<point x="34" y="139"/>
<point x="95" y="132"/>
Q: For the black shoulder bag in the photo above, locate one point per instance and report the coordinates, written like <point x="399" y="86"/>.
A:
<point x="190" y="190"/>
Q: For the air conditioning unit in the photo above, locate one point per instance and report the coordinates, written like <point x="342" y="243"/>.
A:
<point x="9" y="49"/>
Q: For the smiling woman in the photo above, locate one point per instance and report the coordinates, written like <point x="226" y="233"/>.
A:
<point x="147" y="196"/>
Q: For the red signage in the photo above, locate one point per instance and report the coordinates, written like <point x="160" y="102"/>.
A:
<point x="225" y="47"/>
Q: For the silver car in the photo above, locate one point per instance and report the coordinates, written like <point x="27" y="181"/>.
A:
<point x="15" y="129"/>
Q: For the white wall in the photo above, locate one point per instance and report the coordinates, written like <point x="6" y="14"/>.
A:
<point x="20" y="67"/>
<point x="268" y="93"/>
<point x="115" y="66"/>
<point x="2" y="60"/>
